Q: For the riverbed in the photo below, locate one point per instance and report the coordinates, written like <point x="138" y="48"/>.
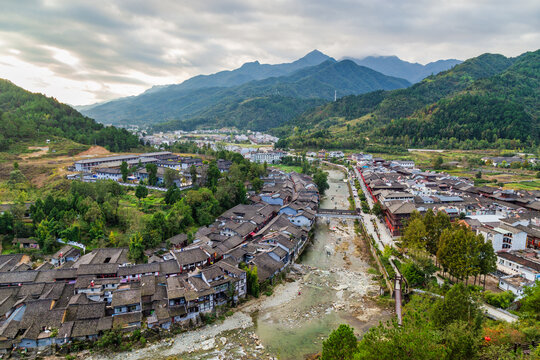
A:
<point x="329" y="286"/>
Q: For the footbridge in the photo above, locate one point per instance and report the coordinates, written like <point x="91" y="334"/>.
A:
<point x="338" y="213"/>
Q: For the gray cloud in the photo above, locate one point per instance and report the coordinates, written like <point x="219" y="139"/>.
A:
<point x="86" y="51"/>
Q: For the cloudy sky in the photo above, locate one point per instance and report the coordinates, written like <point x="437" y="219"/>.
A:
<point x="82" y="52"/>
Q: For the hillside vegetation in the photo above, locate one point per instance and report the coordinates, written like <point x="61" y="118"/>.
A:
<point x="30" y="117"/>
<point x="488" y="101"/>
<point x="283" y="98"/>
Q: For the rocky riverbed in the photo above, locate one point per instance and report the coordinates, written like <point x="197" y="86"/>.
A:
<point x="330" y="285"/>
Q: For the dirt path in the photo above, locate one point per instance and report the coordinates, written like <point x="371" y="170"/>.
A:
<point x="42" y="150"/>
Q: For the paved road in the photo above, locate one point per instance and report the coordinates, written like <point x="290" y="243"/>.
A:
<point x="499" y="314"/>
<point x="383" y="237"/>
<point x="490" y="311"/>
<point x="381" y="234"/>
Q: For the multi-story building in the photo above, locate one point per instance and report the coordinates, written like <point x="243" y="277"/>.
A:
<point x="273" y="157"/>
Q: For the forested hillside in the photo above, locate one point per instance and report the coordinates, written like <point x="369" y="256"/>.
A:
<point x="257" y="114"/>
<point x="486" y="101"/>
<point x="210" y="107"/>
<point x="260" y="105"/>
<point x="26" y="116"/>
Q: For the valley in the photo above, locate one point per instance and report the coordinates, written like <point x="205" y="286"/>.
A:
<point x="331" y="284"/>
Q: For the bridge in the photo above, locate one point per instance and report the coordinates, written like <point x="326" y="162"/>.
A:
<point x="338" y="213"/>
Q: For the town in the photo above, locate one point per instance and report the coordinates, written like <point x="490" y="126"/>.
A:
<point x="510" y="219"/>
<point x="79" y="296"/>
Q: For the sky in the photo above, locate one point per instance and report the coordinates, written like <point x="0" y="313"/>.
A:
<point x="82" y="52"/>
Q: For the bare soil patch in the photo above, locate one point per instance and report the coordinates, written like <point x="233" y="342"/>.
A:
<point x="94" y="151"/>
<point x="42" y="150"/>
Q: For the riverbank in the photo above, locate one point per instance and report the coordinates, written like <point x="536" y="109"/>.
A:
<point x="328" y="286"/>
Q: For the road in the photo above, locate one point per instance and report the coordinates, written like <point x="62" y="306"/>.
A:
<point x="382" y="237"/>
<point x="381" y="234"/>
<point x="374" y="226"/>
<point x="490" y="311"/>
<point x="499" y="314"/>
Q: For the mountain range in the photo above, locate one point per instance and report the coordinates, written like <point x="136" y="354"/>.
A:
<point x="487" y="101"/>
<point x="200" y="101"/>
<point x="256" y="96"/>
<point x="413" y="72"/>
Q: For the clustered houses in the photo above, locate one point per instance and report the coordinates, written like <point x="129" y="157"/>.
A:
<point x="509" y="219"/>
<point x="520" y="268"/>
<point x="79" y="297"/>
<point x="108" y="168"/>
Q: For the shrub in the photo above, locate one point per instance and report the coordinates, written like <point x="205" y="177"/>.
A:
<point x="501" y="300"/>
<point x="412" y="272"/>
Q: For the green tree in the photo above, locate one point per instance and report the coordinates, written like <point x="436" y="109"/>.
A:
<point x="487" y="261"/>
<point x="136" y="248"/>
<point x="412" y="272"/>
<point x="169" y="177"/>
<point x="141" y="192"/>
<point x="193" y="173"/>
<point x="415" y="339"/>
<point x="257" y="184"/>
<point x="415" y="234"/>
<point x="340" y="345"/>
<point x="151" y="169"/>
<point x="530" y="303"/>
<point x="124" y="170"/>
<point x="213" y="175"/>
<point x="462" y="341"/>
<point x="172" y="195"/>
<point x="252" y="279"/>
<point x="377" y="209"/>
<point x="458" y="304"/>
<point x="320" y="178"/>
<point x="16" y="177"/>
<point x="501" y="300"/>
<point x="437" y="163"/>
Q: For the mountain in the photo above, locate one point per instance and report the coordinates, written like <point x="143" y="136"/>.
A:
<point x="252" y="71"/>
<point x="413" y="72"/>
<point x="484" y="102"/>
<point x="247" y="72"/>
<point x="27" y="116"/>
<point x="183" y="108"/>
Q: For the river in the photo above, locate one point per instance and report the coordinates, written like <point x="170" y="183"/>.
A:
<point x="329" y="286"/>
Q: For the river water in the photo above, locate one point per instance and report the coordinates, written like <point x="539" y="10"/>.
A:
<point x="329" y="286"/>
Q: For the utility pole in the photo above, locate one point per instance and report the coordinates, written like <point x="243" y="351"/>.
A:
<point x="397" y="292"/>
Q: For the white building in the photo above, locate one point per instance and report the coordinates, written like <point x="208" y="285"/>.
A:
<point x="87" y="164"/>
<point x="336" y="154"/>
<point x="505" y="237"/>
<point x="109" y="174"/>
<point x="524" y="263"/>
<point x="268" y="157"/>
<point x="407" y="164"/>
